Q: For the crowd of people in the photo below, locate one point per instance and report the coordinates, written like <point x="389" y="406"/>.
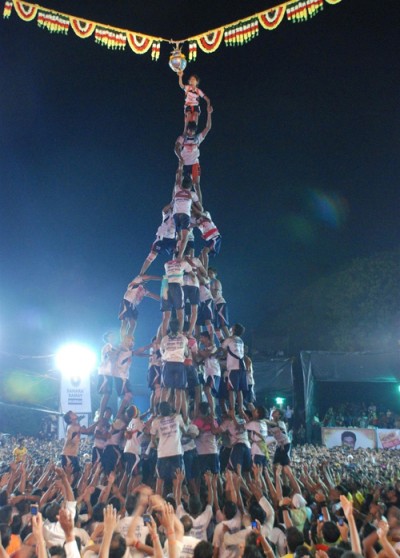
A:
<point x="323" y="503"/>
<point x="360" y="415"/>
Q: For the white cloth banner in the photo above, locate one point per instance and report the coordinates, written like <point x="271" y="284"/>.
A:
<point x="75" y="395"/>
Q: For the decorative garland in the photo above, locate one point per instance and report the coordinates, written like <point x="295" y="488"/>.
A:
<point x="211" y="41"/>
<point x="26" y="11"/>
<point x="83" y="29"/>
<point x="242" y="33"/>
<point x="110" y="38"/>
<point x="53" y="22"/>
<point x="271" y="19"/>
<point x="236" y="33"/>
<point x="138" y="43"/>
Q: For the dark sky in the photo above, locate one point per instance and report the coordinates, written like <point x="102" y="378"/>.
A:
<point x="300" y="170"/>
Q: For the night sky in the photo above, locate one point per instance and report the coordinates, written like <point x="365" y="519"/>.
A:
<point x="300" y="170"/>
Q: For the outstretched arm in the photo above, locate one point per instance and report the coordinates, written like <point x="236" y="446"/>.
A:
<point x="347" y="507"/>
<point x="110" y="524"/>
<point x="152" y="295"/>
<point x="178" y="151"/>
<point x="180" y="80"/>
<point x="209" y="121"/>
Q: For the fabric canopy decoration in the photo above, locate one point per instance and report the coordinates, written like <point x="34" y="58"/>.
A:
<point x="235" y="33"/>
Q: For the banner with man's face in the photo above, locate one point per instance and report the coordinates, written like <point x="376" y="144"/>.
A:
<point x="351" y="438"/>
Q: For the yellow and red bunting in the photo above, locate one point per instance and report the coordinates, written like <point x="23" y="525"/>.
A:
<point x="82" y="29"/>
<point x="211" y="41"/>
<point x="139" y="43"/>
<point x="234" y="34"/>
<point x="53" y="22"/>
<point x="297" y="12"/>
<point x="314" y="6"/>
<point x="272" y="18"/>
<point x="192" y="51"/>
<point x="241" y="33"/>
<point x="26" y="11"/>
<point x="109" y="38"/>
<point x="7" y="9"/>
<point x="155" y="50"/>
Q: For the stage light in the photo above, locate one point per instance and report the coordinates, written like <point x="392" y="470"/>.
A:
<point x="279" y="400"/>
<point x="75" y="361"/>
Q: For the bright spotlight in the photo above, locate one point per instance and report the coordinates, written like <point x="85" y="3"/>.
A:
<point x="75" y="361"/>
<point x="279" y="400"/>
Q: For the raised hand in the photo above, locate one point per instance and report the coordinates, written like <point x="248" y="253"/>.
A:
<point x="66" y="520"/>
<point x="110" y="519"/>
<point x="347" y="506"/>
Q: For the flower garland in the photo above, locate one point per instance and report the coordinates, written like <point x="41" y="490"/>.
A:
<point x="236" y="33"/>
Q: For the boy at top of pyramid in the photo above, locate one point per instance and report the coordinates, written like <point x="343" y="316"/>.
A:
<point x="192" y="97"/>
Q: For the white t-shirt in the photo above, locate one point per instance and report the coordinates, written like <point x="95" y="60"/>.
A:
<point x="175" y="269"/>
<point x="154" y="357"/>
<point x="141" y="533"/>
<point x="189" y="279"/>
<point x="200" y="523"/>
<point x="236" y="345"/>
<point x="212" y="366"/>
<point x="122" y="363"/>
<point x="182" y="202"/>
<point x="233" y="525"/>
<point x="117" y="432"/>
<point x="72" y="440"/>
<point x="192" y="95"/>
<point x="100" y="434"/>
<point x="185" y="547"/>
<point x="205" y="293"/>
<point x="279" y="433"/>
<point x="106" y="363"/>
<point x="237" y="431"/>
<point x="167" y="228"/>
<point x="168" y="430"/>
<point x="53" y="532"/>
<point x="206" y="442"/>
<point x="190" y="148"/>
<point x="135" y="294"/>
<point x="132" y="445"/>
<point x="173" y="348"/>
<point x="207" y="228"/>
<point x="188" y="438"/>
<point x="216" y="291"/>
<point x="258" y="433"/>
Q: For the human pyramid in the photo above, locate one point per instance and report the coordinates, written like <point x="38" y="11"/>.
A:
<point x="198" y="367"/>
<point x="194" y="311"/>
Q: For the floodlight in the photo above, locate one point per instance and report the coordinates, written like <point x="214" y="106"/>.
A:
<point x="75" y="360"/>
<point x="279" y="400"/>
